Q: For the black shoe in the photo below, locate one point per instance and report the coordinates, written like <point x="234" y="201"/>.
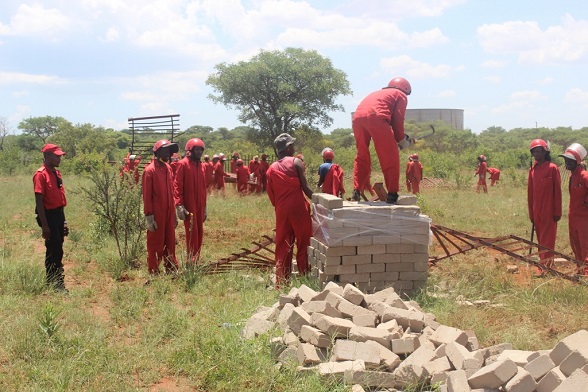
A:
<point x="61" y="290"/>
<point x="355" y="196"/>
<point x="392" y="198"/>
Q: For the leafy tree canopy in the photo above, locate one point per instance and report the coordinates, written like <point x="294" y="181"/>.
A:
<point x="280" y="91"/>
<point x="43" y="127"/>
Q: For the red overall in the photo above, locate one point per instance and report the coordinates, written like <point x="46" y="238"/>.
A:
<point x="219" y="175"/>
<point x="254" y="168"/>
<point x="380" y="116"/>
<point x="174" y="166"/>
<point x="578" y="216"/>
<point x="263" y="166"/>
<point x="132" y="167"/>
<point x="333" y="182"/>
<point x="209" y="175"/>
<point x="407" y="173"/>
<point x="293" y="221"/>
<point x="544" y="202"/>
<point x="242" y="179"/>
<point x="494" y="175"/>
<point x="190" y="191"/>
<point x="416" y="175"/>
<point x="481" y="172"/>
<point x="158" y="200"/>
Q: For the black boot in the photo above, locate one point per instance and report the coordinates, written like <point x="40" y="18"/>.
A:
<point x="355" y="196"/>
<point x="392" y="198"/>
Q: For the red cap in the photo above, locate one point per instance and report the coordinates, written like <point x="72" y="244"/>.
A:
<point x="53" y="148"/>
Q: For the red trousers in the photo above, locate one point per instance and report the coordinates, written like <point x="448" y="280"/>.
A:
<point x="293" y="226"/>
<point x="161" y="244"/>
<point x="194" y="226"/>
<point x="370" y="128"/>
<point x="416" y="186"/>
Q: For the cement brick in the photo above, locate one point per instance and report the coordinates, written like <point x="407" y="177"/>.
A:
<point x="576" y="360"/>
<point x="353" y="294"/>
<point x="495" y="350"/>
<point x="339" y="269"/>
<point x="551" y="380"/>
<point x="577" y="381"/>
<point x="399" y="267"/>
<point x="328" y="260"/>
<point x="287" y="299"/>
<point x="405" y="318"/>
<point x="371" y="249"/>
<point x="520" y="357"/>
<point x="494" y="375"/>
<point x="365" y="320"/>
<point x="421" y="266"/>
<point x="305" y="293"/>
<point x="392" y="327"/>
<point x="332" y="326"/>
<point x="357" y="259"/>
<point x="349" y="309"/>
<point x="364" y="334"/>
<point x="297" y="319"/>
<point x="437" y="366"/>
<point x="369" y="378"/>
<point x="354" y="278"/>
<point x="405" y="345"/>
<point x="315" y="336"/>
<point x="308" y="354"/>
<point x="348" y="350"/>
<point x="461" y="358"/>
<point x="568" y="344"/>
<point x="521" y="382"/>
<point x="358" y="240"/>
<point x="255" y="327"/>
<point x="389" y="276"/>
<point x="445" y="334"/>
<point x="394" y="300"/>
<point x="414" y="239"/>
<point x="539" y="366"/>
<point x="370" y="268"/>
<point x="421" y="248"/>
<point x="321" y="307"/>
<point x="408" y="375"/>
<point x="386" y="239"/>
<point x="408" y="275"/>
<point x="414" y="258"/>
<point x="457" y="381"/>
<point x="334" y="368"/>
<point x="340" y="251"/>
<point x="400" y="248"/>
<point x="388" y="359"/>
<point x="356" y="387"/>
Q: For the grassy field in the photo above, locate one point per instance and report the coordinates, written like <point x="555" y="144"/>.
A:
<point x="182" y="334"/>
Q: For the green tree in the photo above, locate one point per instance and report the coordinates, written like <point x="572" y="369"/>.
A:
<point x="42" y="127"/>
<point x="342" y="137"/>
<point x="4" y="131"/>
<point x="280" y="91"/>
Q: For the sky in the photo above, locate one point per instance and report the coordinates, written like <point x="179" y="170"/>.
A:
<point x="507" y="63"/>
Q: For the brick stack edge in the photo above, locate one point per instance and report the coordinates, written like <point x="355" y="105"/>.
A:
<point x="370" y="245"/>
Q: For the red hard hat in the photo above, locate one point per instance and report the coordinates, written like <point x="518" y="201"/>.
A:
<point x="194" y="142"/>
<point x="206" y="157"/>
<point x="415" y="156"/>
<point x="328" y="153"/>
<point x="239" y="162"/>
<point x="482" y="157"/>
<point x="539" y="143"/>
<point x="401" y="84"/>
<point x="165" y="143"/>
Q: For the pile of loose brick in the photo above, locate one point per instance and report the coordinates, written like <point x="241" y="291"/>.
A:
<point x="379" y="342"/>
<point x="371" y="245"/>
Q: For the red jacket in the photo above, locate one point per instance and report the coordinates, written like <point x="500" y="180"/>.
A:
<point x="544" y="190"/>
<point x="333" y="182"/>
<point x="158" y="186"/>
<point x="190" y="186"/>
<point x="388" y="104"/>
<point x="46" y="183"/>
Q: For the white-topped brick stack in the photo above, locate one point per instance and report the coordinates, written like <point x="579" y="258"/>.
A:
<point x="371" y="245"/>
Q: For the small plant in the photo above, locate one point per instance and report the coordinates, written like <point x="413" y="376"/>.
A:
<point x="48" y="321"/>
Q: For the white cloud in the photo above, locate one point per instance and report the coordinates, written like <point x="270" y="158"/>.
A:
<point x="446" y="94"/>
<point x="20" y="93"/>
<point x="564" y="43"/>
<point x="577" y="96"/>
<point x="520" y="100"/>
<point x="546" y="81"/>
<point x="494" y="79"/>
<point x="35" y="21"/>
<point x="530" y="95"/>
<point x="112" y="34"/>
<point x="407" y="66"/>
<point x="16" y="77"/>
<point x="493" y="64"/>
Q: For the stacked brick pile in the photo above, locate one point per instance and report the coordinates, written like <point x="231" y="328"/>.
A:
<point x="372" y="245"/>
<point x="382" y="343"/>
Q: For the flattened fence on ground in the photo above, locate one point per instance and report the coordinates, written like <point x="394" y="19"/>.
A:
<point x="430" y="182"/>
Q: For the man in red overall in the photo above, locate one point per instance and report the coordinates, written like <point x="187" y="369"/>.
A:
<point x="50" y="202"/>
<point x="132" y="166"/>
<point x="190" y="197"/>
<point x="219" y="174"/>
<point x="159" y="210"/>
<point x="494" y="175"/>
<point x="242" y="173"/>
<point x="416" y="174"/>
<point x="481" y="173"/>
<point x="263" y="166"/>
<point x="286" y="188"/>
<point x="255" y="169"/>
<point x="209" y="173"/>
<point x="544" y="199"/>
<point x="380" y="116"/>
<point x="407" y="173"/>
<point x="578" y="209"/>
<point x="331" y="175"/>
<point x="173" y="162"/>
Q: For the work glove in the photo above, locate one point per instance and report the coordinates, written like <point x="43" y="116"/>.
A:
<point x="65" y="229"/>
<point x="151" y="225"/>
<point x="182" y="212"/>
<point x="406" y="142"/>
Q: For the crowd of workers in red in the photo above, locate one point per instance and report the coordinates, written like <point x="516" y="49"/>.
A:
<point x="175" y="188"/>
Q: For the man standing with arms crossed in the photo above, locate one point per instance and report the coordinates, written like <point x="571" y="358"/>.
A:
<point x="50" y="202"/>
<point x="190" y="197"/>
<point x="286" y="188"/>
<point x="380" y="116"/>
<point x="159" y="210"/>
